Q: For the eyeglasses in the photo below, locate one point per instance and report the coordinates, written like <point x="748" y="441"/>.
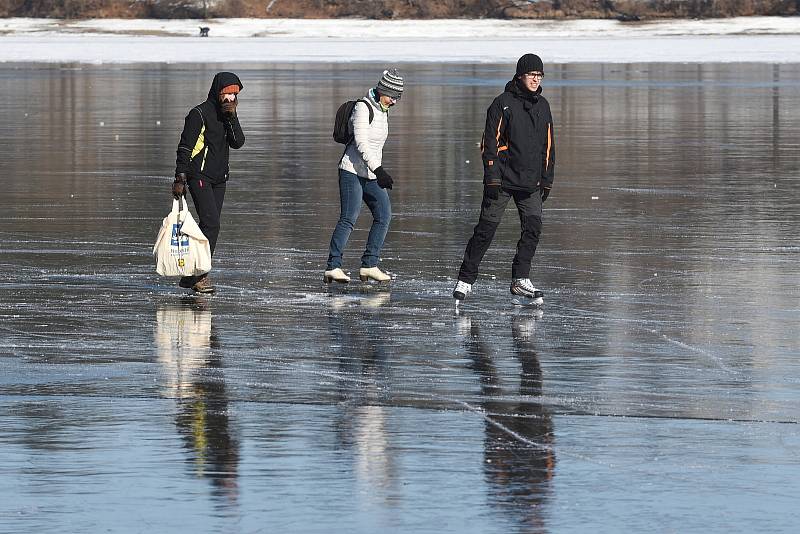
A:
<point x="534" y="75"/>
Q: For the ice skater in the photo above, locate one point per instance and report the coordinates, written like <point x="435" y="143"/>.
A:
<point x="519" y="163"/>
<point x="362" y="177"/>
<point x="210" y="131"/>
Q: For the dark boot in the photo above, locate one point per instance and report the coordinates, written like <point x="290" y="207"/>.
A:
<point x="187" y="282"/>
<point x="203" y="284"/>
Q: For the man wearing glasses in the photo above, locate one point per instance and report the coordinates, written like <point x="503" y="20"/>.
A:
<point x="519" y="163"/>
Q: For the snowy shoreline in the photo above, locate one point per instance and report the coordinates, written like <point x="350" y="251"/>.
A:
<point x="744" y="39"/>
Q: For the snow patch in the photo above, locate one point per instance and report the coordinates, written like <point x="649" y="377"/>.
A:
<point x="743" y="39"/>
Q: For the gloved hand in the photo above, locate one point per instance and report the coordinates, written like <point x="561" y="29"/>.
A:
<point x="544" y="190"/>
<point x="229" y="108"/>
<point x="384" y="180"/>
<point x="179" y="186"/>
<point x="491" y="191"/>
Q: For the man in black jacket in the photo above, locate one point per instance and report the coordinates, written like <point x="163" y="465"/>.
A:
<point x="210" y="130"/>
<point x="518" y="163"/>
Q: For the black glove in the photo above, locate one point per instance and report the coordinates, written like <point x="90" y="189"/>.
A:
<point x="544" y="190"/>
<point x="179" y="186"/>
<point x="384" y="180"/>
<point x="229" y="108"/>
<point x="491" y="191"/>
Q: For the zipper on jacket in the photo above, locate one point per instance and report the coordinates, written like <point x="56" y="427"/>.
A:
<point x="233" y="132"/>
<point x="203" y="164"/>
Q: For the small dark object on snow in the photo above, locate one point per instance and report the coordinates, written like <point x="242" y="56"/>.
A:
<point x="204" y="31"/>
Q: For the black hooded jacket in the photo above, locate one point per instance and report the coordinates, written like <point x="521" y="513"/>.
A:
<point x="208" y="135"/>
<point x="518" y="141"/>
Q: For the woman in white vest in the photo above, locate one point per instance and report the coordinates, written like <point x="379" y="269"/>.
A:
<point x="362" y="177"/>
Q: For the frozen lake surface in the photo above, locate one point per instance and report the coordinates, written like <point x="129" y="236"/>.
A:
<point x="657" y="390"/>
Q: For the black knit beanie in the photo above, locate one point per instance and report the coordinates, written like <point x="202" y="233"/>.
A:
<point x="529" y="63"/>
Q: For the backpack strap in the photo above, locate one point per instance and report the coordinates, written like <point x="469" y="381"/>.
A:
<point x="369" y="107"/>
<point x="371" y="116"/>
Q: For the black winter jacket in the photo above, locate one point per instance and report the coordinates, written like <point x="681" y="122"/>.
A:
<point x="207" y="136"/>
<point x="518" y="143"/>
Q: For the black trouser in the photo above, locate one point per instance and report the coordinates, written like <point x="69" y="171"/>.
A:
<point x="529" y="207"/>
<point x="208" y="199"/>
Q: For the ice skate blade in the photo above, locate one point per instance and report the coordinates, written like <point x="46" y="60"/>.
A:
<point x="209" y="291"/>
<point x="372" y="280"/>
<point x="518" y="300"/>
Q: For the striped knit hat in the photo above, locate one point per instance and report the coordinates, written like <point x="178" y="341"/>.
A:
<point x="391" y="84"/>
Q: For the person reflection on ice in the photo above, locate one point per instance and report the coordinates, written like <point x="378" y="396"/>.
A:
<point x="189" y="354"/>
<point x="356" y="326"/>
<point x="519" y="455"/>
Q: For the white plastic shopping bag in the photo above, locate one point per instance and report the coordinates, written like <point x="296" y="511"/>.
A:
<point x="181" y="249"/>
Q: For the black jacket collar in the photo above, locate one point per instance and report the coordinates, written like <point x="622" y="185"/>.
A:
<point x="515" y="87"/>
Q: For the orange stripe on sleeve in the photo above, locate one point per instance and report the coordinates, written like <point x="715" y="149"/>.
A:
<point x="549" y="146"/>
<point x="499" y="124"/>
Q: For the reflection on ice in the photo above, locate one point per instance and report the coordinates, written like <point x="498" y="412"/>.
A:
<point x="519" y="450"/>
<point x="191" y="361"/>
<point x="183" y="340"/>
<point x="362" y="357"/>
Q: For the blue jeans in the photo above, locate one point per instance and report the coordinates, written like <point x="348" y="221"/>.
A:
<point x="352" y="189"/>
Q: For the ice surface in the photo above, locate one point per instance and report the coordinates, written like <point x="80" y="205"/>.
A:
<point x="656" y="389"/>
